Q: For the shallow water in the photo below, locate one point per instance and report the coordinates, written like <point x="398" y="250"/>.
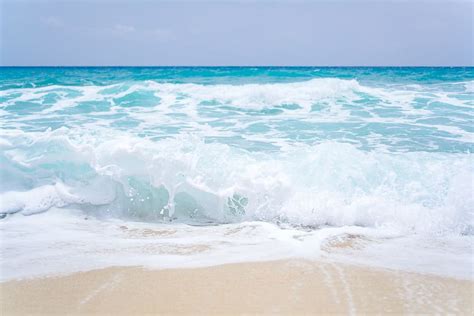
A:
<point x="380" y="151"/>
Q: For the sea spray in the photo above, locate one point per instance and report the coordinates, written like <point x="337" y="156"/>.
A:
<point x="184" y="178"/>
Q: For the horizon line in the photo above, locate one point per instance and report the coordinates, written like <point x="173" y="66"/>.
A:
<point x="236" y="66"/>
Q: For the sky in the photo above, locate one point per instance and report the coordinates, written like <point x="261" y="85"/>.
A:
<point x="236" y="33"/>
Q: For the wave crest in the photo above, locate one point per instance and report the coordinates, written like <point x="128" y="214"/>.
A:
<point x="187" y="179"/>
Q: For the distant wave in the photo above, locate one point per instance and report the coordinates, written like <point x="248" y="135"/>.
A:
<point x="410" y="117"/>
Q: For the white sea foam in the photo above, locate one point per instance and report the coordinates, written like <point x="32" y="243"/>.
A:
<point x="172" y="109"/>
<point x="280" y="169"/>
<point x="328" y="184"/>
<point x="56" y="242"/>
<point x="256" y="96"/>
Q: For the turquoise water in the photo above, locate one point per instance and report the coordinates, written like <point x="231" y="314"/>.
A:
<point x="402" y="109"/>
<point x="310" y="146"/>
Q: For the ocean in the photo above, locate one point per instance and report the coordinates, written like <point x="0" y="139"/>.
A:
<point x="195" y="166"/>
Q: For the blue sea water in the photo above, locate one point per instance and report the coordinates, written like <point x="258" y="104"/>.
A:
<point x="226" y="143"/>
<point x="361" y="150"/>
<point x="253" y="108"/>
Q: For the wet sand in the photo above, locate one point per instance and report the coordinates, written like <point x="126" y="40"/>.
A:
<point x="286" y="287"/>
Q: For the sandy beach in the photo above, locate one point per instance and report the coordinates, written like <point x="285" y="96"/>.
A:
<point x="236" y="157"/>
<point x="286" y="287"/>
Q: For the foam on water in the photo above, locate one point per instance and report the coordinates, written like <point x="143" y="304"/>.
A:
<point x="304" y="159"/>
<point x="62" y="241"/>
<point x="258" y="116"/>
<point x="185" y="178"/>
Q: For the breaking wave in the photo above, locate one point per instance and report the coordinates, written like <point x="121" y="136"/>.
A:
<point x="187" y="179"/>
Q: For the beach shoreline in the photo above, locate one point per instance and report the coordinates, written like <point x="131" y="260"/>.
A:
<point x="284" y="286"/>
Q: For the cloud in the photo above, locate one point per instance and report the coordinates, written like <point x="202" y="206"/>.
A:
<point x="52" y="21"/>
<point x="129" y="31"/>
<point x="124" y="28"/>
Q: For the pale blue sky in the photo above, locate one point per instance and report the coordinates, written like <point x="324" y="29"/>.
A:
<point x="245" y="32"/>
